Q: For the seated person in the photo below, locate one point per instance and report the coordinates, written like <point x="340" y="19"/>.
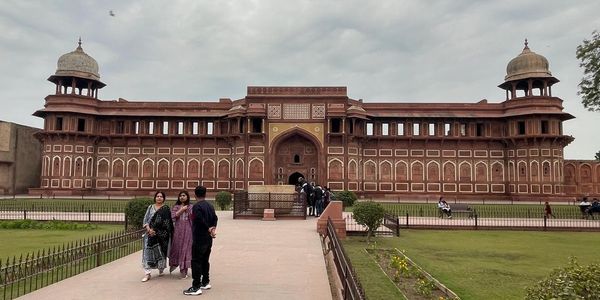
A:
<point x="444" y="208"/>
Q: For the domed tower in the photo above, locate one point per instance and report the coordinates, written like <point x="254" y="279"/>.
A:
<point x="77" y="74"/>
<point x="528" y="72"/>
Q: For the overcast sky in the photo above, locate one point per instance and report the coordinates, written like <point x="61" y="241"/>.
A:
<point x="400" y="51"/>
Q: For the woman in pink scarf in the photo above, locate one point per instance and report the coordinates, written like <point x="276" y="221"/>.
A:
<point x="181" y="245"/>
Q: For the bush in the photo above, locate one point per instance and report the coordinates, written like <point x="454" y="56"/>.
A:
<point x="135" y="211"/>
<point x="571" y="282"/>
<point x="369" y="214"/>
<point x="347" y="197"/>
<point x="49" y="225"/>
<point x="223" y="200"/>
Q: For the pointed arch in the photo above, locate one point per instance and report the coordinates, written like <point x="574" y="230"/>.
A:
<point x="224" y="169"/>
<point x="546" y="171"/>
<point x="433" y="171"/>
<point x="46" y="166"/>
<point x="534" y="168"/>
<point x="102" y="170"/>
<point x="193" y="169"/>
<point x="335" y="169"/>
<point x="401" y="171"/>
<point x="89" y="167"/>
<point x="118" y="167"/>
<point x="256" y="168"/>
<point x="162" y="168"/>
<point x="56" y="166"/>
<point x="385" y="171"/>
<point x="557" y="172"/>
<point x="465" y="171"/>
<point x="511" y="171"/>
<point x="481" y="172"/>
<point x="570" y="173"/>
<point x="497" y="171"/>
<point x="449" y="171"/>
<point x="522" y="171"/>
<point x="585" y="173"/>
<point x="352" y="170"/>
<point x="178" y="169"/>
<point x="66" y="166"/>
<point x="148" y="168"/>
<point x="78" y="168"/>
<point x="369" y="170"/>
<point x="208" y="169"/>
<point x="416" y="171"/>
<point x="133" y="168"/>
<point x="239" y="169"/>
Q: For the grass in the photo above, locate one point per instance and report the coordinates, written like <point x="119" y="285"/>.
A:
<point x="477" y="264"/>
<point x="30" y="240"/>
<point x="485" y="210"/>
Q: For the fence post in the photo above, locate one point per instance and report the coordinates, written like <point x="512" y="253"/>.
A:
<point x="89" y="215"/>
<point x="545" y="222"/>
<point x="475" y="221"/>
<point x="397" y="225"/>
<point x="24" y="214"/>
<point x="406" y="220"/>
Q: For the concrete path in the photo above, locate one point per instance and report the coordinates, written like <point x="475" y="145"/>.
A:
<point x="250" y="259"/>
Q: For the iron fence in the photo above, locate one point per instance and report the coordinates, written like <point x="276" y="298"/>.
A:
<point x="19" y="276"/>
<point x="252" y="205"/>
<point x="351" y="287"/>
<point x="473" y="221"/>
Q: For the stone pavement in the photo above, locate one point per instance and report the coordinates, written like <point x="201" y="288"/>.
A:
<point x="251" y="259"/>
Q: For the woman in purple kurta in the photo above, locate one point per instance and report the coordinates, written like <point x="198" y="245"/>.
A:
<point x="181" y="246"/>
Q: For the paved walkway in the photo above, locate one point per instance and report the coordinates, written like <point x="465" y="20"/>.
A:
<point x="250" y="259"/>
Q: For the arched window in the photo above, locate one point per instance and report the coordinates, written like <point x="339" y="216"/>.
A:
<point x="296" y="159"/>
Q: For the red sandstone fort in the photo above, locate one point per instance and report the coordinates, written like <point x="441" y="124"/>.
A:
<point x="510" y="149"/>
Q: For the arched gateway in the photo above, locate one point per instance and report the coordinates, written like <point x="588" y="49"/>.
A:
<point x="295" y="155"/>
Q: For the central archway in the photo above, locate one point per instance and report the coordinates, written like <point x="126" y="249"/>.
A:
<point x="293" y="179"/>
<point x="295" y="154"/>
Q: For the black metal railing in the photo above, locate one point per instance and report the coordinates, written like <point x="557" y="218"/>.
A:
<point x="495" y="220"/>
<point x="252" y="205"/>
<point x="19" y="276"/>
<point x="351" y="287"/>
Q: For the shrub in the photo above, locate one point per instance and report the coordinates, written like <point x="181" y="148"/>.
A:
<point x="135" y="211"/>
<point x="571" y="282"/>
<point x="347" y="197"/>
<point x="49" y="225"/>
<point x="369" y="214"/>
<point x="223" y="200"/>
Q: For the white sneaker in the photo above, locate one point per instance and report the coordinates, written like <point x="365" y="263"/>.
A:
<point x="206" y="287"/>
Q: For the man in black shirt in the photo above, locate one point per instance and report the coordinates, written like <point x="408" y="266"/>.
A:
<point x="204" y="226"/>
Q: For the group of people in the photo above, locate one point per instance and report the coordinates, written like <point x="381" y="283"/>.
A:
<point x="183" y="234"/>
<point x="588" y="209"/>
<point x="444" y="208"/>
<point x="315" y="196"/>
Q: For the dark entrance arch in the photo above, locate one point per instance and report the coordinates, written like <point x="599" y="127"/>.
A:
<point x="294" y="154"/>
<point x="293" y="180"/>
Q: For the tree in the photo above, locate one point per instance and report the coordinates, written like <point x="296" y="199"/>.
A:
<point x="571" y="282"/>
<point x="598" y="156"/>
<point x="369" y="214"/>
<point x="347" y="197"/>
<point x="223" y="200"/>
<point x="135" y="211"/>
<point x="589" y="88"/>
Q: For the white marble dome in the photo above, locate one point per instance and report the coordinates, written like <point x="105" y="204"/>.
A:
<point x="78" y="64"/>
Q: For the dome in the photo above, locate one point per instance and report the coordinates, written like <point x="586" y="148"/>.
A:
<point x="77" y="64"/>
<point x="527" y="65"/>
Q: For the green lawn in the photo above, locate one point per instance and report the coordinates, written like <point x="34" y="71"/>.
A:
<point x="476" y="264"/>
<point x="21" y="241"/>
<point x="485" y="210"/>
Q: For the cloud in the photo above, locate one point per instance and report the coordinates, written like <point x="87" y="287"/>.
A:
<point x="404" y="51"/>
